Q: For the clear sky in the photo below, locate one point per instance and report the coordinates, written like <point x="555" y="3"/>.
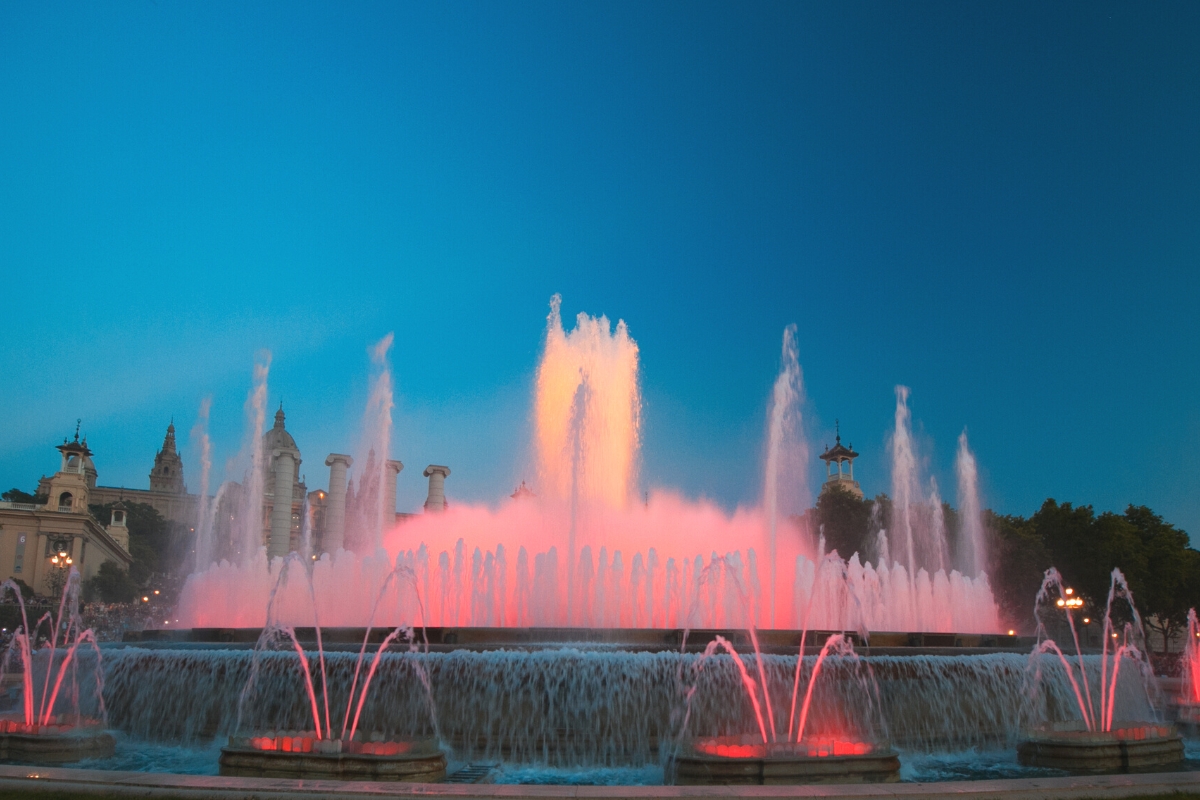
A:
<point x="996" y="204"/>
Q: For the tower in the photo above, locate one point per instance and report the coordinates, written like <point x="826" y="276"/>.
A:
<point x="117" y="527"/>
<point x="167" y="474"/>
<point x="835" y="476"/>
<point x="282" y="489"/>
<point x="68" y="492"/>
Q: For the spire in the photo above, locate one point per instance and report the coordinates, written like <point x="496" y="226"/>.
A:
<point x="837" y="426"/>
<point x="279" y="416"/>
<point x="169" y="439"/>
<point x="78" y="422"/>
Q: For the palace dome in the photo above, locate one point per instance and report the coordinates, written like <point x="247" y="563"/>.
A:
<point x="278" y="438"/>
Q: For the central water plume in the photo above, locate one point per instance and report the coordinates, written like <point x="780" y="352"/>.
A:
<point x="587" y="412"/>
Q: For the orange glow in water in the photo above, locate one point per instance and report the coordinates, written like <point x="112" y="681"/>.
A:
<point x="587" y="411"/>
<point x="821" y="747"/>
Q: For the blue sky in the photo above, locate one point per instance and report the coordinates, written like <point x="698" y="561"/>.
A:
<point x="996" y="204"/>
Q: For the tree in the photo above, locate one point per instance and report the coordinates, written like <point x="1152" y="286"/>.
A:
<point x="15" y="495"/>
<point x="152" y="540"/>
<point x="1086" y="548"/>
<point x="110" y="584"/>
<point x="1171" y="581"/>
<point x="1019" y="559"/>
<point x="844" y="519"/>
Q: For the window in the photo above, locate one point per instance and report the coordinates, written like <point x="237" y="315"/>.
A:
<point x="64" y="501"/>
<point x="19" y="561"/>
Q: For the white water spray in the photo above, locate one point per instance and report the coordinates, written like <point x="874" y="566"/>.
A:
<point x="972" y="548"/>
<point x="787" y="450"/>
<point x="374" y="450"/>
<point x="205" y="512"/>
<point x="905" y="490"/>
<point x="251" y="516"/>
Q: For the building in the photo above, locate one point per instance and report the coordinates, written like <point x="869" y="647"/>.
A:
<point x="39" y="542"/>
<point x="337" y="516"/>
<point x="168" y="493"/>
<point x="839" y="468"/>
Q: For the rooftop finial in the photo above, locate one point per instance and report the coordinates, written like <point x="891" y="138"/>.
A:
<point x="837" y="426"/>
<point x="78" y="422"/>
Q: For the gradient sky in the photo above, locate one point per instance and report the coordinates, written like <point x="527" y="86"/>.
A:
<point x="996" y="204"/>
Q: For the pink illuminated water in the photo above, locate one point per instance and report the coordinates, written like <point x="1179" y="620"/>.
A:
<point x="293" y="573"/>
<point x="62" y="632"/>
<point x="584" y="552"/>
<point x="1191" y="661"/>
<point x="1121" y="650"/>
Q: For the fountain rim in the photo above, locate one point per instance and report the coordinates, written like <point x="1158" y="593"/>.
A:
<point x="447" y="639"/>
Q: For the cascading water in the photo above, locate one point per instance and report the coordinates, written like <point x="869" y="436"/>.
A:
<point x="260" y="691"/>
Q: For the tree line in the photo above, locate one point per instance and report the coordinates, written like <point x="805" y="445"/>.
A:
<point x="1156" y="557"/>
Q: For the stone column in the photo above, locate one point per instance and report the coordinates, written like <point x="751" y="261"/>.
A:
<point x="436" y="501"/>
<point x="391" y="471"/>
<point x="281" y="514"/>
<point x="335" y="512"/>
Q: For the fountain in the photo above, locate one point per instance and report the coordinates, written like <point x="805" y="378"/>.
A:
<point x="554" y="629"/>
<point x="319" y="752"/>
<point x="840" y="749"/>
<point x="1189" y="695"/>
<point x="43" y="731"/>
<point x="1090" y="734"/>
<point x="839" y="739"/>
<point x="588" y="551"/>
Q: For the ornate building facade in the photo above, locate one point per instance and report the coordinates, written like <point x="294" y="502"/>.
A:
<point x="39" y="542"/>
<point x="336" y="517"/>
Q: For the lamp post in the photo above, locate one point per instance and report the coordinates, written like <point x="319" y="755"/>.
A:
<point x="1070" y="602"/>
<point x="61" y="562"/>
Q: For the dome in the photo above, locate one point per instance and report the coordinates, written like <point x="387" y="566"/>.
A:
<point x="278" y="438"/>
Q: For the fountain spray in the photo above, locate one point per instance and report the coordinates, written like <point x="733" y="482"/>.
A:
<point x="787" y="451"/>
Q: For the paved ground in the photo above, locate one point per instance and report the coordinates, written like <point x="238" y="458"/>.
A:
<point x="63" y="781"/>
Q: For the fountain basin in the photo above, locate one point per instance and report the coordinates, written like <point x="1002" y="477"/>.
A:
<point x="1131" y="747"/>
<point x="56" y="743"/>
<point x="299" y="754"/>
<point x="727" y="760"/>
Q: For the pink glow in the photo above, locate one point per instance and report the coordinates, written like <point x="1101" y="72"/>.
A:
<point x="1101" y="719"/>
<point x="585" y="552"/>
<point x="1191" y="661"/>
<point x="835" y="642"/>
<point x="821" y="747"/>
<point x="748" y="682"/>
<point x="503" y="557"/>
